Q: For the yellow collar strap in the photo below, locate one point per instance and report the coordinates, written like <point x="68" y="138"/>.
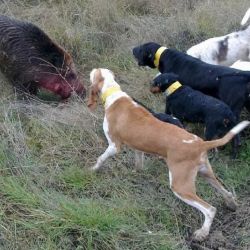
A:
<point x="108" y="92"/>
<point x="158" y="56"/>
<point x="172" y="88"/>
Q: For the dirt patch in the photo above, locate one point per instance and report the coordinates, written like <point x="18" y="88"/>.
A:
<point x="231" y="230"/>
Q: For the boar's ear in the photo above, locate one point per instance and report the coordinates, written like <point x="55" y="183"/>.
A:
<point x="93" y="96"/>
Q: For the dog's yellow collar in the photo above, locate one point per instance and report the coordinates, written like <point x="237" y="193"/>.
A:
<point x="172" y="88"/>
<point x="158" y="56"/>
<point x="108" y="92"/>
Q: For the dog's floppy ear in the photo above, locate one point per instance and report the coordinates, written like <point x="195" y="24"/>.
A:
<point x="93" y="97"/>
<point x="97" y="81"/>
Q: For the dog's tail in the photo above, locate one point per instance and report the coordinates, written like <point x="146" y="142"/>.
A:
<point x="245" y="17"/>
<point x="220" y="142"/>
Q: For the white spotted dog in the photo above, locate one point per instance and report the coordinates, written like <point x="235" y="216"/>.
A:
<point x="128" y="123"/>
<point x="225" y="50"/>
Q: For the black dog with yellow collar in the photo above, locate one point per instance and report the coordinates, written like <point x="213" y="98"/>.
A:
<point x="193" y="106"/>
<point x="232" y="86"/>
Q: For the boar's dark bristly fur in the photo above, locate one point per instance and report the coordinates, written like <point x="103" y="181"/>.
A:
<point x="31" y="60"/>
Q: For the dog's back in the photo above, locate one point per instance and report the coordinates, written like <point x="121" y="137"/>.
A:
<point x="183" y="64"/>
<point x="134" y="126"/>
<point x="224" y="50"/>
<point x="207" y="77"/>
<point x="195" y="106"/>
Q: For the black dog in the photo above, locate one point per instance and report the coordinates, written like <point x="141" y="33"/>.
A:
<point x="193" y="106"/>
<point x="227" y="84"/>
<point x="162" y="116"/>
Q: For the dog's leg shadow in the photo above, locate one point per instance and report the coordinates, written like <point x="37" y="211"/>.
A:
<point x="139" y="160"/>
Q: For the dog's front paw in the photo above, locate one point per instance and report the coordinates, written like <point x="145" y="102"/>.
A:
<point x="200" y="234"/>
<point x="94" y="168"/>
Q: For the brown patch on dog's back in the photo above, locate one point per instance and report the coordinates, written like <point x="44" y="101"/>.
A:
<point x="223" y="49"/>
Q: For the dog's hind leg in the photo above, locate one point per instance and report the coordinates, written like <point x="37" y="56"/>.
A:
<point x="206" y="172"/>
<point x="183" y="185"/>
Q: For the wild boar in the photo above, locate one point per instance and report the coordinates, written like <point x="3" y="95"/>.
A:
<point x="33" y="61"/>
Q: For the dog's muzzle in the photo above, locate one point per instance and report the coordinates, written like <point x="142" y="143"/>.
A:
<point x="154" y="88"/>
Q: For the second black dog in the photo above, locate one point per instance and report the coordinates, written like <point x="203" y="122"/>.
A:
<point x="162" y="116"/>
<point x="193" y="106"/>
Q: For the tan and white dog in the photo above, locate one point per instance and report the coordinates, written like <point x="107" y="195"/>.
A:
<point x="126" y="122"/>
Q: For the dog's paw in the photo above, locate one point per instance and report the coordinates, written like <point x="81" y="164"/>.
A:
<point x="200" y="234"/>
<point x="94" y="168"/>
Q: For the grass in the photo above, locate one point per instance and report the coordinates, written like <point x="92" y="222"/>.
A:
<point x="49" y="199"/>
